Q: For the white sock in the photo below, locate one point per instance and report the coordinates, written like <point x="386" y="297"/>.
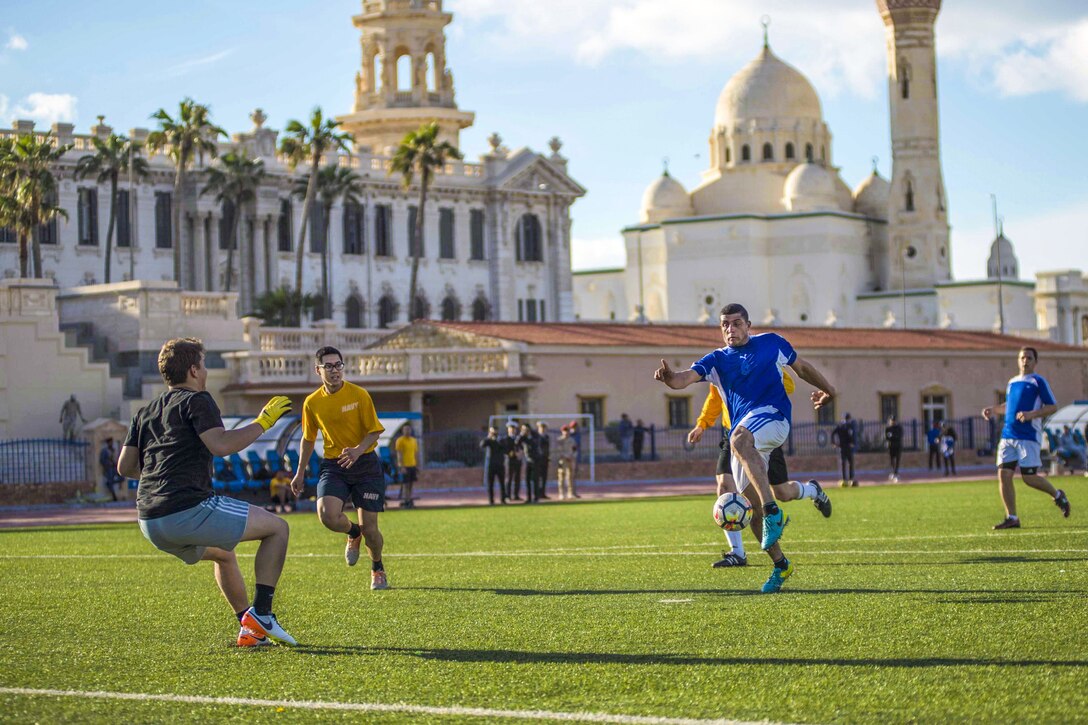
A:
<point x="736" y="542"/>
<point x="1014" y="517"/>
<point x="807" y="489"/>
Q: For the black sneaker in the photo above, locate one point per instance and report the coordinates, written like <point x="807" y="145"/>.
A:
<point x="1062" y="502"/>
<point x="821" y="502"/>
<point x="1008" y="524"/>
<point x="730" y="559"/>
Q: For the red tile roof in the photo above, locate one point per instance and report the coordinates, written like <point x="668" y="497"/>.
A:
<point x="594" y="334"/>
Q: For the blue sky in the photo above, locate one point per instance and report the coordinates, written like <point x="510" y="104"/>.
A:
<point x="624" y="83"/>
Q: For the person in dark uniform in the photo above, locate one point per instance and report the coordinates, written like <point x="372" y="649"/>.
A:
<point x="530" y="451"/>
<point x="540" y="463"/>
<point x="893" y="436"/>
<point x="496" y="456"/>
<point x="513" y="462"/>
<point x="639" y="439"/>
<point x="933" y="441"/>
<point x="845" y="437"/>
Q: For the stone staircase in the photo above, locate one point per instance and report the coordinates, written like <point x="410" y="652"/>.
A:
<point x="131" y="372"/>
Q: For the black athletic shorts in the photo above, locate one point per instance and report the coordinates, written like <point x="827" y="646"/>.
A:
<point x="363" y="483"/>
<point x="411" y="474"/>
<point x="776" y="466"/>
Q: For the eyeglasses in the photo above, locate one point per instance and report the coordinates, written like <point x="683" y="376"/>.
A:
<point x="330" y="367"/>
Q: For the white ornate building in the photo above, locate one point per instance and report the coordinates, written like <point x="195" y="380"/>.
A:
<point x="496" y="232"/>
<point x="773" y="224"/>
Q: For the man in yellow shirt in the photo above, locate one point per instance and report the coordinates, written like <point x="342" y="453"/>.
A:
<point x="777" y="474"/>
<point x="407" y="449"/>
<point x="350" y="468"/>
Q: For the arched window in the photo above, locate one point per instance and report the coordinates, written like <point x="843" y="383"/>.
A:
<point x="451" y="309"/>
<point x="376" y="72"/>
<point x="745" y="153"/>
<point x="353" y="311"/>
<point x="530" y="247"/>
<point x="768" y="152"/>
<point x="432" y="72"/>
<point x="727" y="155"/>
<point x="909" y="196"/>
<point x="904" y="78"/>
<point x="808" y="153"/>
<point x="480" y="310"/>
<point x="404" y="72"/>
<point x="789" y="151"/>
<point x="318" y="312"/>
<point x="387" y="311"/>
<point x="421" y="309"/>
<point x="823" y="153"/>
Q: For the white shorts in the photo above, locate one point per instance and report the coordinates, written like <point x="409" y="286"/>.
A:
<point x="1025" y="453"/>
<point x="770" y="430"/>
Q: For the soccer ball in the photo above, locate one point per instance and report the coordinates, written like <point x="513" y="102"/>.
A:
<point x="732" y="512"/>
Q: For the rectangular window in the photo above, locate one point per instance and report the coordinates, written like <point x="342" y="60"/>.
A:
<point x="163" y="230"/>
<point x="226" y="224"/>
<point x="353" y="228"/>
<point x="679" y="411"/>
<point x="542" y="319"/>
<point x="318" y="223"/>
<point x="530" y="310"/>
<point x="284" y="226"/>
<point x="88" y="217"/>
<point x="889" y="406"/>
<point x="593" y="406"/>
<point x="825" y="414"/>
<point x="445" y="234"/>
<point x="935" y="408"/>
<point x="413" y="251"/>
<point x="47" y="233"/>
<point x="124" y="220"/>
<point x="8" y="236"/>
<point x="521" y="310"/>
<point x="476" y="233"/>
<point x="383" y="223"/>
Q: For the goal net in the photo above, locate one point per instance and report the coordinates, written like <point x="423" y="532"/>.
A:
<point x="587" y="447"/>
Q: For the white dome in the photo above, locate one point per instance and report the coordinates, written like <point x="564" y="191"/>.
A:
<point x="665" y="198"/>
<point x="767" y="88"/>
<point x="871" y="196"/>
<point x="809" y="187"/>
<point x="1002" y="261"/>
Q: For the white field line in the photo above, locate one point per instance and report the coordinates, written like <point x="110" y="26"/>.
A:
<point x="481" y="712"/>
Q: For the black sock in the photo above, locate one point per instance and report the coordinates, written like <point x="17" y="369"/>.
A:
<point x="240" y="614"/>
<point x="770" y="509"/>
<point x="262" y="600"/>
<point x="377" y="565"/>
<point x="353" y="532"/>
<point x="782" y="563"/>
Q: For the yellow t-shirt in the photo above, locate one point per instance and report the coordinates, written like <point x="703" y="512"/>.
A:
<point x="713" y="407"/>
<point x="345" y="418"/>
<point x="407" y="446"/>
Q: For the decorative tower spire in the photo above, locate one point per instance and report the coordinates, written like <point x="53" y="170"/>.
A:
<point x="917" y="214"/>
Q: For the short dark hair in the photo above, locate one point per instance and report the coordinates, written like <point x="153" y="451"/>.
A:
<point x="328" y="350"/>
<point x="177" y="356"/>
<point x="734" y="308"/>
<point x="1034" y="352"/>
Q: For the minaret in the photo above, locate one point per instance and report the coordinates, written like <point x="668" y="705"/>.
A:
<point x="918" y="253"/>
<point x="404" y="81"/>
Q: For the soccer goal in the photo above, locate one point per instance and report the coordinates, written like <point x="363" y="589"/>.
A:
<point x="588" y="444"/>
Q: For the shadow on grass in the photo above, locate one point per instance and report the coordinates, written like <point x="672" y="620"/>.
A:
<point x="501" y="656"/>
<point x="995" y="593"/>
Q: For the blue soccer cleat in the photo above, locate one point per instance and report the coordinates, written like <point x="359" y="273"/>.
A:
<point x="774" y="583"/>
<point x="772" y="528"/>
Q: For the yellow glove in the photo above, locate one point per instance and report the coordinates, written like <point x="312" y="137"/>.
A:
<point x="275" y="409"/>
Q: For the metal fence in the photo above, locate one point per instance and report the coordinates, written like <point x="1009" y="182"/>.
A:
<point x="43" y="460"/>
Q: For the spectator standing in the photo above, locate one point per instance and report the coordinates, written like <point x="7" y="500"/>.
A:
<point x="893" y="437"/>
<point x="566" y="450"/>
<point x="845" y="438"/>
<point x="948" y="449"/>
<point x="513" y="462"/>
<point x="107" y="458"/>
<point x="69" y="412"/>
<point x="495" y="457"/>
<point x="540" y="463"/>
<point x="530" y="451"/>
<point x="639" y="438"/>
<point x="279" y="488"/>
<point x="627" y="436"/>
<point x="576" y="434"/>
<point x="407" y="449"/>
<point x="933" y="442"/>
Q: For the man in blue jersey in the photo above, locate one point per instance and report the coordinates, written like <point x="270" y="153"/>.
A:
<point x="1028" y="400"/>
<point x="748" y="374"/>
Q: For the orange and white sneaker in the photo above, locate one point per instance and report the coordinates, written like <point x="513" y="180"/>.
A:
<point x="267" y="626"/>
<point x="252" y="638"/>
<point x="351" y="551"/>
<point x="378" y="580"/>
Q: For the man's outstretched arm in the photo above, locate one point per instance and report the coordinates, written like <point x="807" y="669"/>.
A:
<point x="674" y="379"/>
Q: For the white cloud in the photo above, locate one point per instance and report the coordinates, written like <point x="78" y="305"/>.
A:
<point x="46" y="108"/>
<point x="183" y="68"/>
<point x="605" y="253"/>
<point x="16" y="42"/>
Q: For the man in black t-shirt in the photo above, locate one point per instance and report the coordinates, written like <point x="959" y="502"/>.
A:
<point x="845" y="437"/>
<point x="169" y="448"/>
<point x="496" y="454"/>
<point x="893" y="435"/>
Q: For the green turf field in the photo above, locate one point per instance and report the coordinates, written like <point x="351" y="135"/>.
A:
<point x="905" y="607"/>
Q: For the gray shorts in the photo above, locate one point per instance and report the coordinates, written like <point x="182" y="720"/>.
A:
<point x="218" y="521"/>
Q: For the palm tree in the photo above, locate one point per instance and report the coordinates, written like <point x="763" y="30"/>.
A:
<point x="110" y="159"/>
<point x="236" y="180"/>
<point x="420" y="152"/>
<point x="334" y="183"/>
<point x="310" y="143"/>
<point x="191" y="133"/>
<point x="29" y="191"/>
<point x="277" y="307"/>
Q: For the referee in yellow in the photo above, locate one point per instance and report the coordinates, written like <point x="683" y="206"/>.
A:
<point x="345" y="415"/>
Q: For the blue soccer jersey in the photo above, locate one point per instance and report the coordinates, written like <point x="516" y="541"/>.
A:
<point x="750" y="376"/>
<point x="1024" y="394"/>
